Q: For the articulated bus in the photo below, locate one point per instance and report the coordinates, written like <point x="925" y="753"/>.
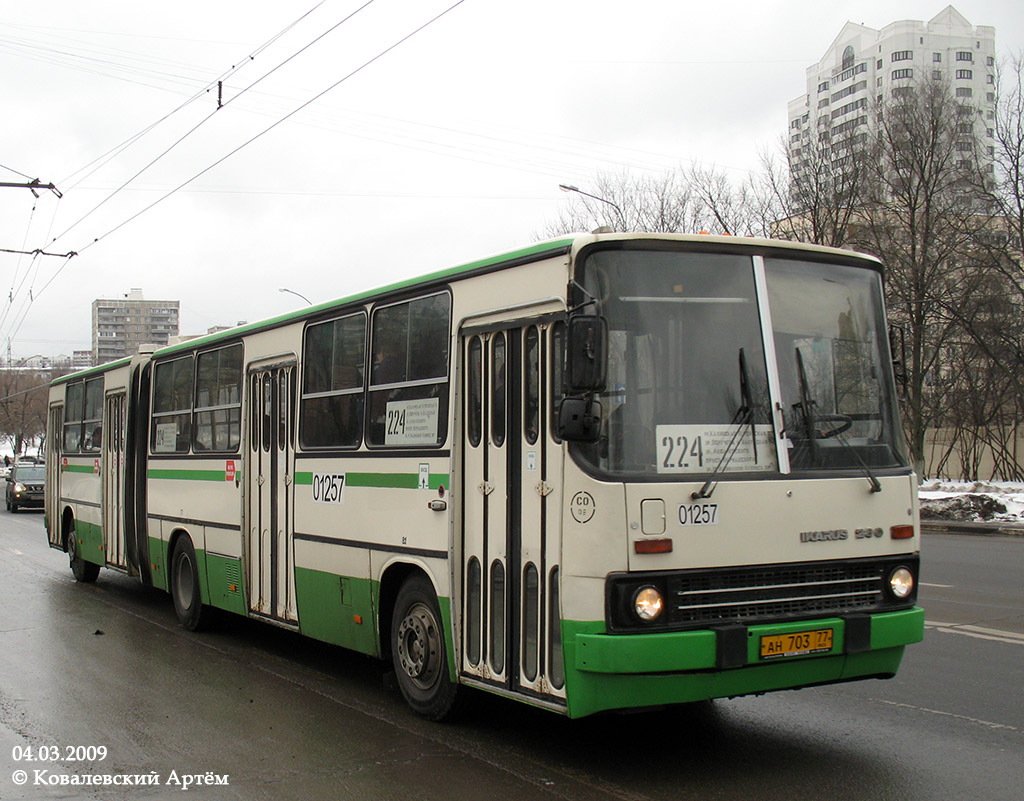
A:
<point x="608" y="471"/>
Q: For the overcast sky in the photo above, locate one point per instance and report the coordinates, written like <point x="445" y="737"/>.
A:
<point x="444" y="149"/>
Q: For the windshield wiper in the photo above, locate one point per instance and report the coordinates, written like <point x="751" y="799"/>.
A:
<point x="806" y="406"/>
<point x="743" y="416"/>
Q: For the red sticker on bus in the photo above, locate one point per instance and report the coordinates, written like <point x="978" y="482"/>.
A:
<point x="229" y="470"/>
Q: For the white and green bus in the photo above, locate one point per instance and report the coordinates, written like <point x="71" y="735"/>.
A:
<point x="609" y="471"/>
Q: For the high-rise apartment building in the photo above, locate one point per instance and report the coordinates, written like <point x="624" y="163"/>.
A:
<point x="864" y="67"/>
<point x="120" y="326"/>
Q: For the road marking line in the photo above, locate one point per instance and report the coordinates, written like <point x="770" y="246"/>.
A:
<point x="944" y="586"/>
<point x="978" y="632"/>
<point x="978" y="721"/>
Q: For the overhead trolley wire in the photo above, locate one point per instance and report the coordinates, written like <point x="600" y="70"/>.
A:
<point x="103" y="159"/>
<point x="20" y="174"/>
<point x="109" y="155"/>
<point x="252" y="139"/>
<point x="271" y="127"/>
<point x="206" y="119"/>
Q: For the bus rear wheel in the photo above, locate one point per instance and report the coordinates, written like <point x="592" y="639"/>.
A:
<point x="83" y="571"/>
<point x="418" y="651"/>
<point x="188" y="603"/>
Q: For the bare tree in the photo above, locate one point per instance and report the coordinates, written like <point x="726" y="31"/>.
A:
<point x="946" y="219"/>
<point x="685" y="200"/>
<point x="625" y="202"/>
<point x="817" y="191"/>
<point x="921" y="202"/>
<point x="23" y="404"/>
<point x="1009" y="154"/>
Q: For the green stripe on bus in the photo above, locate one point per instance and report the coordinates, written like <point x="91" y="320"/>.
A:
<point x="188" y="475"/>
<point x="79" y="468"/>
<point x="381" y="480"/>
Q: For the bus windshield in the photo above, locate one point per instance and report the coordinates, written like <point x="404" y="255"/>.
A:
<point x="835" y="376"/>
<point x="688" y="394"/>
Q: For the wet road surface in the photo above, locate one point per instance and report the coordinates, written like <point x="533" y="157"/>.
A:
<point x="285" y="718"/>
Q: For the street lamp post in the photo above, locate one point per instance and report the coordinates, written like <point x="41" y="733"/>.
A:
<point x="577" y="190"/>
<point x="297" y="294"/>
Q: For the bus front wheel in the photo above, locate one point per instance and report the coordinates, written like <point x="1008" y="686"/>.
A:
<point x="82" y="570"/>
<point x="418" y="651"/>
<point x="188" y="603"/>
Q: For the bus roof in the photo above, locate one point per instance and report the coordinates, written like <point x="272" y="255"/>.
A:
<point x="88" y="371"/>
<point x="570" y="243"/>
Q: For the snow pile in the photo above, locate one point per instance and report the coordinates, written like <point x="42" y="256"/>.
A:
<point x="989" y="501"/>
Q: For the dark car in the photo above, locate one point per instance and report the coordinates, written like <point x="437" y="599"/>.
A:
<point x="25" y="486"/>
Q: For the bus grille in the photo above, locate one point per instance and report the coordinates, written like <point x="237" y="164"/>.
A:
<point x="752" y="594"/>
<point x="773" y="592"/>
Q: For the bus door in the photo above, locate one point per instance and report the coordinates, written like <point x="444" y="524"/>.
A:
<point x="113" y="465"/>
<point x="53" y="475"/>
<point x="270" y="564"/>
<point x="511" y="473"/>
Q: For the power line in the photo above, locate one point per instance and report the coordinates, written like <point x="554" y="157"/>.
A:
<point x="271" y="127"/>
<point x="11" y="169"/>
<point x="209" y="116"/>
<point x="113" y="152"/>
<point x="17" y="323"/>
<point x="245" y="144"/>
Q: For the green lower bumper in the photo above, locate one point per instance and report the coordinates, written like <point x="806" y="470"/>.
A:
<point x="617" y="671"/>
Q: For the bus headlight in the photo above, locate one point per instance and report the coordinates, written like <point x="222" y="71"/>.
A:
<point x="901" y="583"/>
<point x="648" y="603"/>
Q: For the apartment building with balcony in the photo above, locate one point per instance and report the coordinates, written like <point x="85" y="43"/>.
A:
<point x="863" y="68"/>
<point x="121" y="325"/>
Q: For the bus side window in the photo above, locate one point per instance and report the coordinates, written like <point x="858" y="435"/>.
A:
<point x="219" y="400"/>
<point x="92" y="422"/>
<point x="408" y="395"/>
<point x="331" y="407"/>
<point x="172" y="406"/>
<point x="73" y="416"/>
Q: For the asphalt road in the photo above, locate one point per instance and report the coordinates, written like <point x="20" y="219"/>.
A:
<point x="106" y="666"/>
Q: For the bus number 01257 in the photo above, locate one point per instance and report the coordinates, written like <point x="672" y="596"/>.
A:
<point x="329" y="487"/>
<point x="698" y="514"/>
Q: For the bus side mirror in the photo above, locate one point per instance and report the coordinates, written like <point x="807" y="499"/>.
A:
<point x="587" y="357"/>
<point x="579" y="420"/>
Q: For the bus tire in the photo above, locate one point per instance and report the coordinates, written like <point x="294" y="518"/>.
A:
<point x="188" y="603"/>
<point x="418" y="651"/>
<point x="83" y="571"/>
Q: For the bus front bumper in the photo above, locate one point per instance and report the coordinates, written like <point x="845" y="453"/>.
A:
<point x="614" y="671"/>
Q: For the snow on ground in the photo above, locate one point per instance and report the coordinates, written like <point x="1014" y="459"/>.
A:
<point x="988" y="501"/>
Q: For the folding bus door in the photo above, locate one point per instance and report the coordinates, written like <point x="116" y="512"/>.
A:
<point x="54" y="472"/>
<point x="511" y="472"/>
<point x="113" y="466"/>
<point x="270" y="562"/>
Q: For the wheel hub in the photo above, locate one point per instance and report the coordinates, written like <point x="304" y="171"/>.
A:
<point x="418" y="643"/>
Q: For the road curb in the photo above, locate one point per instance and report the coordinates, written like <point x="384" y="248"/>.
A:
<point x="974" y="528"/>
